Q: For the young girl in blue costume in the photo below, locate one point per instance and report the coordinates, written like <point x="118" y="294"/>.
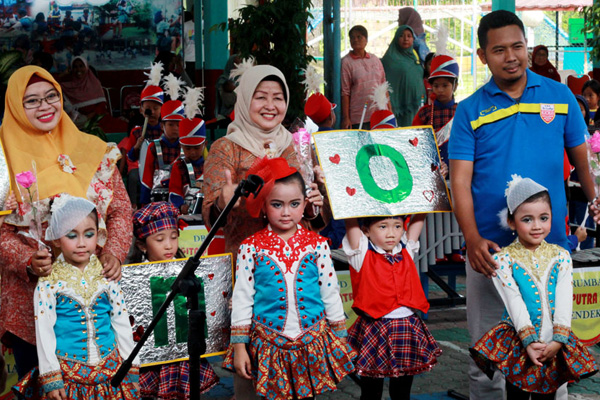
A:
<point x="157" y="236"/>
<point x="391" y="340"/>
<point x="533" y="345"/>
<point x="287" y="324"/>
<point x="82" y="325"/>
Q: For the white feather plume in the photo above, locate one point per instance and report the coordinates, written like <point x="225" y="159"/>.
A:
<point x="441" y="42"/>
<point x="172" y="86"/>
<point x="155" y="74"/>
<point x="511" y="184"/>
<point x="192" y="103"/>
<point x="379" y="97"/>
<point x="312" y="80"/>
<point x="503" y="219"/>
<point x="242" y="67"/>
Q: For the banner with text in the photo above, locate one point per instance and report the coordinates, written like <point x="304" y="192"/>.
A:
<point x="585" y="322"/>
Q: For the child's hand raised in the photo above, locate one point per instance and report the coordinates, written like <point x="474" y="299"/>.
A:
<point x="57" y="394"/>
<point x="535" y="351"/>
<point x="241" y="361"/>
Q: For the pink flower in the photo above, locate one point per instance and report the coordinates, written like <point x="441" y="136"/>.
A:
<point x="594" y="142"/>
<point x="25" y="179"/>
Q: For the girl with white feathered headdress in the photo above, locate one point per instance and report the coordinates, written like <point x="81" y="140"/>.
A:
<point x="533" y="346"/>
<point x="164" y="151"/>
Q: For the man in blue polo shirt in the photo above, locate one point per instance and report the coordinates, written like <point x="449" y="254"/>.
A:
<point x="517" y="123"/>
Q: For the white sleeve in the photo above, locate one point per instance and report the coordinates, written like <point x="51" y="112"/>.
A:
<point x="356" y="256"/>
<point x="44" y="305"/>
<point x="330" y="289"/>
<point x="243" y="291"/>
<point x="413" y="247"/>
<point x="563" y="298"/>
<point x="119" y="319"/>
<point x="513" y="301"/>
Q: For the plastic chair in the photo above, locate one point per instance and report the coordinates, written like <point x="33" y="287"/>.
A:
<point x="126" y="91"/>
<point x="108" y="102"/>
<point x="575" y="83"/>
<point x="564" y="74"/>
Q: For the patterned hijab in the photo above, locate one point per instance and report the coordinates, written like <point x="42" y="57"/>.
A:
<point x="23" y="143"/>
<point x="243" y="130"/>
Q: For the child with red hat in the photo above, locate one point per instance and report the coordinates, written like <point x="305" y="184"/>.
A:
<point x="444" y="80"/>
<point x="186" y="172"/>
<point x="152" y="98"/>
<point x="163" y="152"/>
<point x="320" y="111"/>
<point x="382" y="117"/>
<point x="317" y="107"/>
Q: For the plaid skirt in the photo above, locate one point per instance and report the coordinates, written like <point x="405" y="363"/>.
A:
<point x="502" y="348"/>
<point x="82" y="382"/>
<point x="392" y="347"/>
<point x="171" y="381"/>
<point x="296" y="369"/>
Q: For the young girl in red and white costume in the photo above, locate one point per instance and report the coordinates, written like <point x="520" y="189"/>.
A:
<point x="392" y="341"/>
<point x="288" y="326"/>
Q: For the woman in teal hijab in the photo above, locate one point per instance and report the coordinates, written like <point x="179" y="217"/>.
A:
<point x="405" y="74"/>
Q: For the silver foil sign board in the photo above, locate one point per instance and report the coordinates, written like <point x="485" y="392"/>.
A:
<point x="147" y="285"/>
<point x="382" y="172"/>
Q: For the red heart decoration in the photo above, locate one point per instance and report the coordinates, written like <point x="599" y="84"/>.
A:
<point x="225" y="294"/>
<point x="429" y="195"/>
<point x="335" y="159"/>
<point x="414" y="141"/>
<point x="350" y="191"/>
<point x="211" y="276"/>
<point x="213" y="313"/>
<point x="434" y="167"/>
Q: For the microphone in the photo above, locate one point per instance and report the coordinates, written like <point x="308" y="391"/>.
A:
<point x="147" y="115"/>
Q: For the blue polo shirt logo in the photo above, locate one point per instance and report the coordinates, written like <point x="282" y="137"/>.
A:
<point x="547" y="112"/>
<point x="487" y="111"/>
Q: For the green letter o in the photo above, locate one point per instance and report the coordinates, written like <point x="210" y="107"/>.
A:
<point x="405" y="181"/>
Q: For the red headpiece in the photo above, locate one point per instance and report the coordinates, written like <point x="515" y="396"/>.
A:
<point x="318" y="108"/>
<point x="192" y="132"/>
<point x="172" y="110"/>
<point x="383" y="119"/>
<point x="153" y="93"/>
<point x="270" y="170"/>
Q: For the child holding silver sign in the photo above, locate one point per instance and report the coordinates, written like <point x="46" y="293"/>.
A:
<point x="392" y="341"/>
<point x="156" y="232"/>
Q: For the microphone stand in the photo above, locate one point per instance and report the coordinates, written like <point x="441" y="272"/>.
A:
<point x="187" y="284"/>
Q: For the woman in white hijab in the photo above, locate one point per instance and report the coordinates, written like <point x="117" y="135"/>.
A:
<point x="256" y="132"/>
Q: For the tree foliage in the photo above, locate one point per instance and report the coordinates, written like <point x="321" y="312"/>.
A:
<point x="592" y="25"/>
<point x="274" y="33"/>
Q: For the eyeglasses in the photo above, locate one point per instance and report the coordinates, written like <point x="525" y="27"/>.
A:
<point x="52" y="98"/>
